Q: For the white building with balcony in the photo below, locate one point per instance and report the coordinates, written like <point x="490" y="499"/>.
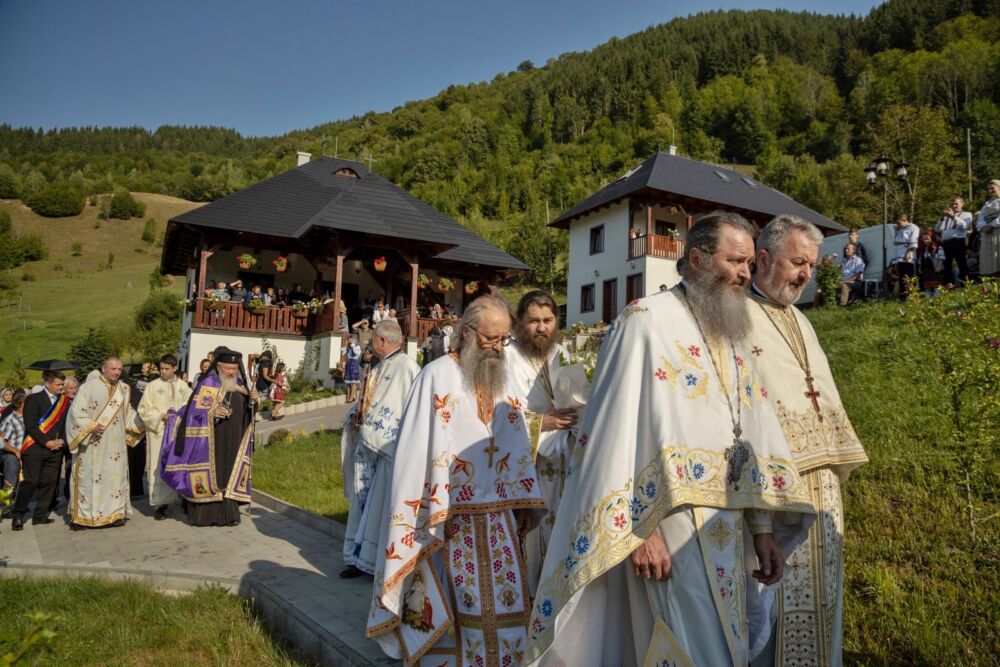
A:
<point x="625" y="239"/>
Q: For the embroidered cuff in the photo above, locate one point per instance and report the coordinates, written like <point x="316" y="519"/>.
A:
<point x="759" y="521"/>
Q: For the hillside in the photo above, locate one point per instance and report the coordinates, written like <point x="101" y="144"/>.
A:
<point x="68" y="293"/>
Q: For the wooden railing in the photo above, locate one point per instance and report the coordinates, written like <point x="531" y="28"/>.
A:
<point x="655" y="245"/>
<point x="424" y="326"/>
<point x="234" y="316"/>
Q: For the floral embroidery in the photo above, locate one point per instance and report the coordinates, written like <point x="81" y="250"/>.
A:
<point x="691" y="379"/>
<point x="694" y="351"/>
<point x="660" y="374"/>
<point x="582" y="544"/>
<point x="546" y="608"/>
<point x="778" y="482"/>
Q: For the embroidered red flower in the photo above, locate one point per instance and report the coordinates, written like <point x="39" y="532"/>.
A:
<point x="720" y="571"/>
<point x="583" y="440"/>
<point x="763" y="391"/>
<point x="739" y="362"/>
<point x="694" y="351"/>
<point x="446" y="416"/>
<point x="390" y="553"/>
<point x="661" y="374"/>
<point x="619" y="521"/>
<point x="778" y="482"/>
<point x="408" y="539"/>
<point x="680" y="471"/>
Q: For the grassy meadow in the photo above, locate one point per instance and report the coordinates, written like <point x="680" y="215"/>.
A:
<point x="305" y="472"/>
<point x="64" y="294"/>
<point x="919" y="591"/>
<point x="127" y="623"/>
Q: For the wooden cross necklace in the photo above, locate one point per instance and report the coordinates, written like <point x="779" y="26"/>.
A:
<point x="737" y="454"/>
<point x="797" y="345"/>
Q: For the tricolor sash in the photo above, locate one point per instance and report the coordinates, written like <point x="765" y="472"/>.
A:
<point x="116" y="401"/>
<point x="48" y="420"/>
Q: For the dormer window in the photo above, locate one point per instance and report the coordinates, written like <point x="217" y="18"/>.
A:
<point x="347" y="172"/>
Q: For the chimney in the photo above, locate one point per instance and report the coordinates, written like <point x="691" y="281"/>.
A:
<point x="672" y="150"/>
<point x="302" y="158"/>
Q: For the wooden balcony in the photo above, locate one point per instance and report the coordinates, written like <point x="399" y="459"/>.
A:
<point x="654" y="245"/>
<point x="233" y="316"/>
<point x="424" y="326"/>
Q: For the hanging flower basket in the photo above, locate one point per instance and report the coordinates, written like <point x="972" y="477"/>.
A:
<point x="280" y="264"/>
<point x="423" y="281"/>
<point x="380" y="264"/>
<point x="446" y="284"/>
<point x="247" y="261"/>
<point x="472" y="287"/>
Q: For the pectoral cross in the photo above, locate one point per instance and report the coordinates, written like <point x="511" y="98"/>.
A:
<point x="737" y="455"/>
<point x="490" y="450"/>
<point x="813" y="395"/>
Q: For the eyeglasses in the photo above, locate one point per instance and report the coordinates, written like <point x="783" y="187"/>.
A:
<point x="492" y="341"/>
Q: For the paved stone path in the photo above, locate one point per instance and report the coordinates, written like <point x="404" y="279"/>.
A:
<point x="314" y="420"/>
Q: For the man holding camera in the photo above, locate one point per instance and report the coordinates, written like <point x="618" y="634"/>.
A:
<point x="953" y="228"/>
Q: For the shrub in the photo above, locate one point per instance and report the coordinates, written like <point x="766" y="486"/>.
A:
<point x="124" y="206"/>
<point x="157" y="280"/>
<point x="282" y="436"/>
<point x="91" y="350"/>
<point x="28" y="277"/>
<point x="32" y="183"/>
<point x="111" y="259"/>
<point x="56" y="201"/>
<point x="77" y="249"/>
<point x="8" y="182"/>
<point x="149" y="231"/>
<point x="31" y="249"/>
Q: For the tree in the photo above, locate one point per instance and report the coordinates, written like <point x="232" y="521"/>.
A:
<point x="124" y="206"/>
<point x="8" y="182"/>
<point x="156" y="326"/>
<point x="32" y="183"/>
<point x="56" y="201"/>
<point x="91" y="350"/>
<point x="149" y="230"/>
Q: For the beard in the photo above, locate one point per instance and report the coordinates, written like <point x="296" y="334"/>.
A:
<point x="483" y="369"/>
<point x="719" y="307"/>
<point x="228" y="384"/>
<point x="536" y="346"/>
<point x="784" y="295"/>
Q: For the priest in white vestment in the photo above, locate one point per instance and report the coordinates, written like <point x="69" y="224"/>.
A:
<point x="809" y="612"/>
<point x="368" y="446"/>
<point x="671" y="529"/>
<point x="163" y="394"/>
<point x="534" y="360"/>
<point x="100" y="426"/>
<point x="449" y="583"/>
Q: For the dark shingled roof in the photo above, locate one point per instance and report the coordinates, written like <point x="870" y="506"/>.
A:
<point x="698" y="180"/>
<point x="313" y="195"/>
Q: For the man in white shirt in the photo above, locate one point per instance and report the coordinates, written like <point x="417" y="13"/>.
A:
<point x="852" y="271"/>
<point x="906" y="237"/>
<point x="953" y="228"/>
<point x="380" y="313"/>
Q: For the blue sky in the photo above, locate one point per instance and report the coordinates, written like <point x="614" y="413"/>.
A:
<point x="266" y="68"/>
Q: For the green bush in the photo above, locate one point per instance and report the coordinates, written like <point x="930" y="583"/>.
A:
<point x="77" y="249"/>
<point x="149" y="231"/>
<point x="32" y="183"/>
<point x="31" y="248"/>
<point x="282" y="436"/>
<point x="124" y="206"/>
<point x="91" y="350"/>
<point x="56" y="201"/>
<point x="8" y="182"/>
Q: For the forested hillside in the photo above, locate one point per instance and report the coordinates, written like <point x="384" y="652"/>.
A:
<point x="805" y="100"/>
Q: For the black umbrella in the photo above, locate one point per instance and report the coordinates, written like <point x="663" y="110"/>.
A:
<point x="54" y="365"/>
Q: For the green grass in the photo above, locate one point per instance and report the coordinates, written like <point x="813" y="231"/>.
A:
<point x="69" y="294"/>
<point x="127" y="623"/>
<point x="296" y="397"/>
<point x="305" y="472"/>
<point x="918" y="590"/>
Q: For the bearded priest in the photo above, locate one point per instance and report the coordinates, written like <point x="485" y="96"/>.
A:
<point x="207" y="445"/>
<point x="101" y="425"/>
<point x="809" y="613"/>
<point x="449" y="582"/>
<point x="680" y="485"/>
<point x="533" y="360"/>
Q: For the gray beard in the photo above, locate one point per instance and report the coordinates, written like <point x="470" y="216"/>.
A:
<point x="720" y="311"/>
<point x="784" y="296"/>
<point x="483" y="371"/>
<point x="228" y="384"/>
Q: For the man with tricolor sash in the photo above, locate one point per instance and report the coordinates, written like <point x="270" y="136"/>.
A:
<point x="41" y="452"/>
<point x="101" y="425"/>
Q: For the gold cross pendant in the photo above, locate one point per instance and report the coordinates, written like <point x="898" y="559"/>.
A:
<point x="490" y="450"/>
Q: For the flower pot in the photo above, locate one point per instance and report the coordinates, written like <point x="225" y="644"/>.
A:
<point x="281" y="269"/>
<point x="246" y="265"/>
<point x="301" y="314"/>
<point x="258" y="311"/>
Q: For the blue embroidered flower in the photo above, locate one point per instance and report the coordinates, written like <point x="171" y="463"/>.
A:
<point x="749" y="391"/>
<point x="636" y="507"/>
<point x="650" y="489"/>
<point x="546" y="608"/>
<point x="698" y="470"/>
<point x="568" y="563"/>
<point x="754" y="476"/>
<point x="582" y="544"/>
<point x="378" y="425"/>
<point x="692" y="379"/>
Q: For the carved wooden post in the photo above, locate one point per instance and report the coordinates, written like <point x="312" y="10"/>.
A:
<point x="414" y="272"/>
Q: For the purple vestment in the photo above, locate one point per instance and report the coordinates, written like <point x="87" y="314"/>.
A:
<point x="187" y="458"/>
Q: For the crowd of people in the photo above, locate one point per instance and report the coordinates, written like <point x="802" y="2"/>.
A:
<point x="960" y="247"/>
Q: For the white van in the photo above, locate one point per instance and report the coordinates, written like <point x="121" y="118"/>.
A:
<point x="871" y="239"/>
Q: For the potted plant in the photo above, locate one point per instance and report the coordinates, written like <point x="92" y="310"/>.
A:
<point x="472" y="287"/>
<point x="214" y="303"/>
<point x="314" y="305"/>
<point x="280" y="264"/>
<point x="257" y="306"/>
<point x="300" y="309"/>
<point x="423" y="281"/>
<point x="380" y="263"/>
<point x="247" y="261"/>
<point x="445" y="284"/>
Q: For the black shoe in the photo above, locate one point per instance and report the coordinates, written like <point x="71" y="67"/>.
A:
<point x="43" y="521"/>
<point x="351" y="572"/>
<point x="18" y="524"/>
<point x="76" y="526"/>
<point x="118" y="523"/>
<point x="161" y="513"/>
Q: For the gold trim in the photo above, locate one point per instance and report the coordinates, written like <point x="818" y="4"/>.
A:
<point x="94" y="523"/>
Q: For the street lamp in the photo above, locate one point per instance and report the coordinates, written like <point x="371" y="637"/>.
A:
<point x="877" y="169"/>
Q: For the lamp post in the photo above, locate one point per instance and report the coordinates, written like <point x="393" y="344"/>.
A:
<point x="879" y="169"/>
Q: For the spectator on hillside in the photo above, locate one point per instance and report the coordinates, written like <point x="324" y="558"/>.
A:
<point x="237" y="292"/>
<point x="852" y="271"/>
<point x="953" y="230"/>
<point x="852" y="237"/>
<point x="930" y="261"/>
<point x="906" y="237"/>
<point x="11" y="437"/>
